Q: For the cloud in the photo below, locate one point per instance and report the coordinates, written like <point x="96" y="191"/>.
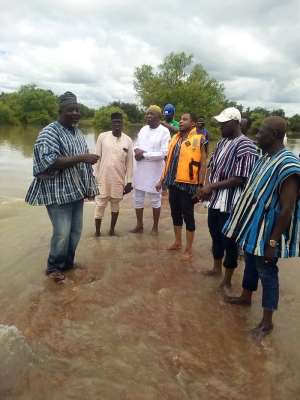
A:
<point x="93" y="47"/>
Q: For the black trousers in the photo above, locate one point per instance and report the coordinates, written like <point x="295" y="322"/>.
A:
<point x="182" y="208"/>
<point x="220" y="243"/>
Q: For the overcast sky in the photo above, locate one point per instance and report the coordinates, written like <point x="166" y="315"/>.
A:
<point x="93" y="46"/>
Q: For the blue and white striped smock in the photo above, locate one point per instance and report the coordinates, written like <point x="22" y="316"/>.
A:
<point x="232" y="158"/>
<point x="257" y="209"/>
<point x="65" y="185"/>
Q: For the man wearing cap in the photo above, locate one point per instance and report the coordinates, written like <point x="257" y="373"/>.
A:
<point x="230" y="166"/>
<point x="169" y="120"/>
<point x="150" y="150"/>
<point x="63" y="178"/>
<point x="113" y="171"/>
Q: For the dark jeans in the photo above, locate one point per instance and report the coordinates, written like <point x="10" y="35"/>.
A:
<point x="220" y="243"/>
<point x="255" y="269"/>
<point x="182" y="208"/>
<point x="67" y="226"/>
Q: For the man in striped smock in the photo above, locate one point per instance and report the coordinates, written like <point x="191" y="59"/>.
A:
<point x="230" y="166"/>
<point x="266" y="219"/>
<point x="63" y="178"/>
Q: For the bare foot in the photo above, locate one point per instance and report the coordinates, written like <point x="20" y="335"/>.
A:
<point x="225" y="288"/>
<point x="238" y="300"/>
<point x="154" y="231"/>
<point x="187" y="256"/>
<point x="261" y="330"/>
<point x="137" y="229"/>
<point x="212" y="272"/>
<point x="175" y="246"/>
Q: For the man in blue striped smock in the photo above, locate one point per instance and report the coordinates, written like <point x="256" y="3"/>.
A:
<point x="266" y="219"/>
<point x="63" y="178"/>
<point x="230" y="166"/>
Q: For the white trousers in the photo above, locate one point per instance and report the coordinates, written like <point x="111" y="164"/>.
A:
<point x="139" y="199"/>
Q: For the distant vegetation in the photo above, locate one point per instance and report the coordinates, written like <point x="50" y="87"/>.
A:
<point x="177" y="80"/>
<point x="31" y="105"/>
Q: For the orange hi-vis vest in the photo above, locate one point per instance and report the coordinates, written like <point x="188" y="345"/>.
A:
<point x="192" y="158"/>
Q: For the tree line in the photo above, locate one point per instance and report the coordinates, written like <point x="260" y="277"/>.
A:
<point x="178" y="80"/>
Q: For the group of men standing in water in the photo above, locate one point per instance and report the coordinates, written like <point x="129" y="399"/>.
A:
<point x="253" y="195"/>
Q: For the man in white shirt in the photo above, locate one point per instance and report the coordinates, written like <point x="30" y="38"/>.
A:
<point x="150" y="151"/>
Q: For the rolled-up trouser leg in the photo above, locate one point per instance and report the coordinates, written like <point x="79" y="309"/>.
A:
<point x="188" y="211"/>
<point x="230" y="246"/>
<point x="115" y="205"/>
<point x="155" y="200"/>
<point x="139" y="198"/>
<point x="268" y="274"/>
<point x="101" y="203"/>
<point x="175" y="206"/>
<point x="250" y="278"/>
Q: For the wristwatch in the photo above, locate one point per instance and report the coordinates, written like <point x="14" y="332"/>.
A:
<point x="272" y="243"/>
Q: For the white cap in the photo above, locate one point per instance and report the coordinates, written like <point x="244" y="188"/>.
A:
<point x="229" y="114"/>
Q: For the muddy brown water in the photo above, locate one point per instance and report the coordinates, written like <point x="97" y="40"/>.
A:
<point x="134" y="322"/>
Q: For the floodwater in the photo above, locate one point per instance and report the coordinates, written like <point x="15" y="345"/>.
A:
<point x="133" y="322"/>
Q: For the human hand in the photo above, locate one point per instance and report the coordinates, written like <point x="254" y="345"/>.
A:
<point x="137" y="151"/>
<point x="128" y="188"/>
<point x="204" y="193"/>
<point x="270" y="254"/>
<point x="158" y="186"/>
<point x="139" y="156"/>
<point x="89" y="158"/>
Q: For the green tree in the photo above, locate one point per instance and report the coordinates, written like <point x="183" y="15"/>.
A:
<point x="279" y="112"/>
<point x="6" y="114"/>
<point x="134" y="114"/>
<point x="31" y="105"/>
<point x="181" y="82"/>
<point x="257" y="115"/>
<point x="86" y="112"/>
<point x="294" y="123"/>
<point x="102" y="119"/>
<point x="35" y="106"/>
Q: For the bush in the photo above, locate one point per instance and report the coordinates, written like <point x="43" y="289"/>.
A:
<point x="102" y="119"/>
<point x="6" y="115"/>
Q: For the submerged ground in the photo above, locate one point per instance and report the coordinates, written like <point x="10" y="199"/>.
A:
<point x="134" y="323"/>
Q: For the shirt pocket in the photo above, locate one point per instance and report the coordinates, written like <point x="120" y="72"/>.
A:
<point x="119" y="154"/>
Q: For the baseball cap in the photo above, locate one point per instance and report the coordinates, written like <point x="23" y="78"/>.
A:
<point x="169" y="109"/>
<point x="229" y="114"/>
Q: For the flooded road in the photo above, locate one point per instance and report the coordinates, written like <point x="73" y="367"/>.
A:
<point x="133" y="322"/>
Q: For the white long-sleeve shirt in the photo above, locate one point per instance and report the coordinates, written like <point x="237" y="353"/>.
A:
<point x="147" y="172"/>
